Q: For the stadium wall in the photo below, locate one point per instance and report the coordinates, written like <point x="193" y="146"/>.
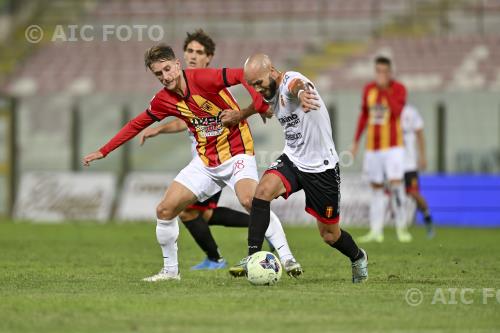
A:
<point x="472" y="132"/>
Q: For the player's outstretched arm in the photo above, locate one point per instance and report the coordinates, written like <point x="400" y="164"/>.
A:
<point x="174" y="126"/>
<point x="130" y="130"/>
<point x="362" y="122"/>
<point x="97" y="155"/>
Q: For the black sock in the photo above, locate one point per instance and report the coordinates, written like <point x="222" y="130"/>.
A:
<point x="259" y="221"/>
<point x="346" y="245"/>
<point x="427" y="218"/>
<point x="229" y="218"/>
<point x="200" y="231"/>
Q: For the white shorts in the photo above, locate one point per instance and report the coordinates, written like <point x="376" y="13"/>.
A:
<point x="204" y="182"/>
<point x="382" y="165"/>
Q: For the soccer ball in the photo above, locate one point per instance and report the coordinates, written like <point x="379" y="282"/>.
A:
<point x="263" y="269"/>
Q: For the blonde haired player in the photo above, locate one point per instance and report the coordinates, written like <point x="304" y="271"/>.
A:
<point x="199" y="50"/>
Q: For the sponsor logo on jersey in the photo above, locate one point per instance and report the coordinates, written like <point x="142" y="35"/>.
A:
<point x="209" y="126"/>
<point x="286" y="119"/>
<point x="378" y="114"/>
<point x="292" y="137"/>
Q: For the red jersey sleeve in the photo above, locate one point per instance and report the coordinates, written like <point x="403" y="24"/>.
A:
<point x="135" y="126"/>
<point x="396" y="98"/>
<point x="363" y="116"/>
<point x="216" y="79"/>
<point x="258" y="102"/>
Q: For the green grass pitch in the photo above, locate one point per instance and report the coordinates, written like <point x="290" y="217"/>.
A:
<point x="87" y="278"/>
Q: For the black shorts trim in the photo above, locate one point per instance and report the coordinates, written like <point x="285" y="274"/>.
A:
<point x="322" y="189"/>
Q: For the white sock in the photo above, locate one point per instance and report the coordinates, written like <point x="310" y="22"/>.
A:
<point x="377" y="211"/>
<point x="166" y="234"/>
<point x="276" y="235"/>
<point x="397" y="203"/>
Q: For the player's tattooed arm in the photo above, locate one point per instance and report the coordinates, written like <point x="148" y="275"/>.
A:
<point x="305" y="93"/>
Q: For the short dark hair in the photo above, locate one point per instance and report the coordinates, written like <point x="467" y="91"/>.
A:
<point x="382" y="60"/>
<point x="201" y="37"/>
<point x="158" y="52"/>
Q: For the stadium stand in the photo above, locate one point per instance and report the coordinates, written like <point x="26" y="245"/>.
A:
<point x="427" y="63"/>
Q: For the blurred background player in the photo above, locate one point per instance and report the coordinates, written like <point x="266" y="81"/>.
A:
<point x="415" y="160"/>
<point x="382" y="104"/>
<point x="309" y="161"/>
<point x="199" y="49"/>
<point x="225" y="152"/>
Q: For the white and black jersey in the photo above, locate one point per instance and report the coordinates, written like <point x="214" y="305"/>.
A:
<point x="411" y="122"/>
<point x="308" y="136"/>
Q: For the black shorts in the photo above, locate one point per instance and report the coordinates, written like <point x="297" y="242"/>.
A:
<point x="412" y="183"/>
<point x="322" y="189"/>
<point x="210" y="203"/>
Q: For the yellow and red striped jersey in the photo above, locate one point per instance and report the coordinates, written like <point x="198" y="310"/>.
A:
<point x="381" y="115"/>
<point x="205" y="97"/>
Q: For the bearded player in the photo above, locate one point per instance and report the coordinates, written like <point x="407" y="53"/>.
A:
<point x="199" y="50"/>
<point x="309" y="162"/>
<point x="200" y="98"/>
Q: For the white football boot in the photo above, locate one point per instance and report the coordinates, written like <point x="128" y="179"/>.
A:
<point x="360" y="269"/>
<point x="163" y="275"/>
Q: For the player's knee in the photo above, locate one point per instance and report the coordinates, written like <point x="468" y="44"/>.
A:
<point x="264" y="192"/>
<point x="330" y="238"/>
<point x="246" y="202"/>
<point x="164" y="212"/>
<point x="207" y="214"/>
<point x="188" y="215"/>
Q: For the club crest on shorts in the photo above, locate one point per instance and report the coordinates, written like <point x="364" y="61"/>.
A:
<point x="329" y="212"/>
